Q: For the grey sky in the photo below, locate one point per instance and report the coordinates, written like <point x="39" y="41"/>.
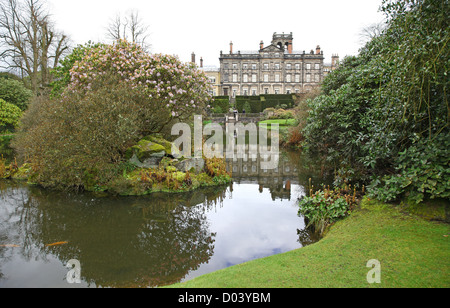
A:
<point x="205" y="27"/>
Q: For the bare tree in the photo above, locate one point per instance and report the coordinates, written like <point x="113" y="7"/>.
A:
<point x="29" y="43"/>
<point x="131" y="28"/>
<point x="370" y="32"/>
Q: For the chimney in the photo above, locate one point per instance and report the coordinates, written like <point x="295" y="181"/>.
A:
<point x="201" y="61"/>
<point x="318" y="50"/>
<point x="193" y="58"/>
<point x="334" y="61"/>
<point x="290" y="47"/>
<point x="231" y="48"/>
<point x="261" y="45"/>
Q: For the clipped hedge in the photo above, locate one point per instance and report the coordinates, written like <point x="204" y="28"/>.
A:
<point x="220" y="104"/>
<point x="253" y="101"/>
<point x="261" y="102"/>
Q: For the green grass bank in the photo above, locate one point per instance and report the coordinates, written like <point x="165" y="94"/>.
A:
<point x="413" y="253"/>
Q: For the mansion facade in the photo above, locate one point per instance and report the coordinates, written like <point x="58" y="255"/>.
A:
<point x="274" y="69"/>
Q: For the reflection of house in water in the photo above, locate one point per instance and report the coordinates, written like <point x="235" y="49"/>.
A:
<point x="278" y="180"/>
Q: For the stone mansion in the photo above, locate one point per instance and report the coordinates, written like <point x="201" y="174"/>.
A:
<point x="274" y="69"/>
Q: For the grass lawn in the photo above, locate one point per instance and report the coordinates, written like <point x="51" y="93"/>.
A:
<point x="413" y="253"/>
<point x="281" y="122"/>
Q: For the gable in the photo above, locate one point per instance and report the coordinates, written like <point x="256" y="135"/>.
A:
<point x="271" y="48"/>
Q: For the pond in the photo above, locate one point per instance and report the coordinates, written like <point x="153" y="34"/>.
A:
<point x="155" y="240"/>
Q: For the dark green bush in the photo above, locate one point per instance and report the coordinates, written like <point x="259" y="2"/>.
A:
<point x="10" y="115"/>
<point x="423" y="171"/>
<point x="380" y="107"/>
<point x="15" y="92"/>
<point x="323" y="208"/>
<point x="220" y="104"/>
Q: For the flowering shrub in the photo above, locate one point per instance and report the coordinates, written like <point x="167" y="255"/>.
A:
<point x="174" y="89"/>
<point x="117" y="95"/>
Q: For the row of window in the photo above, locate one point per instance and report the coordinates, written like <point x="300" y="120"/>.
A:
<point x="277" y="66"/>
<point x="254" y="77"/>
<point x="253" y="91"/>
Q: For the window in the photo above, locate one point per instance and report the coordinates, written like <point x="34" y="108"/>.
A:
<point x="277" y="78"/>
<point x="308" y="77"/>
<point x="297" y="77"/>
<point x="254" y="92"/>
<point x="235" y="77"/>
<point x="235" y="66"/>
<point x="316" y="77"/>
<point x="266" y="78"/>
<point x="288" y="91"/>
<point x="245" y="78"/>
<point x="245" y="91"/>
<point x="225" y="77"/>
<point x="225" y="66"/>
<point x="253" y="66"/>
<point x="317" y="66"/>
<point x="254" y="78"/>
<point x="297" y="66"/>
<point x="266" y="66"/>
<point x="277" y="66"/>
<point x="308" y="66"/>
<point x="245" y="66"/>
<point x="288" y="78"/>
<point x="266" y="90"/>
<point x="288" y="66"/>
<point x="277" y="90"/>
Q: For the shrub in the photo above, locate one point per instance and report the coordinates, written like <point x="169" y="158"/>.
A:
<point x="14" y="92"/>
<point x="376" y="104"/>
<point x="322" y="209"/>
<point x="175" y="90"/>
<point x="247" y="107"/>
<point x="220" y="103"/>
<point x="61" y="73"/>
<point x="326" y="206"/>
<point x="9" y="116"/>
<point x="422" y="172"/>
<point x="118" y="94"/>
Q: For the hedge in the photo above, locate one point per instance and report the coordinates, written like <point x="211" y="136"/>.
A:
<point x="220" y="104"/>
<point x="261" y="102"/>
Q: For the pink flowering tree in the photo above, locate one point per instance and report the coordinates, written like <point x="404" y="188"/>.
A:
<point x="117" y="95"/>
<point x="174" y="90"/>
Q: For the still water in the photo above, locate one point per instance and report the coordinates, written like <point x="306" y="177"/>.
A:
<point x="153" y="240"/>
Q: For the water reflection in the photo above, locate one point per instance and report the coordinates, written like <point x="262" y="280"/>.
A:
<point x="147" y="241"/>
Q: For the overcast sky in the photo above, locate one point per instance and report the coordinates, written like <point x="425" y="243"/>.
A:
<point x="206" y="27"/>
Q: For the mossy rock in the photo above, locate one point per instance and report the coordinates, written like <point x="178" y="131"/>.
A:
<point x="145" y="149"/>
<point x="169" y="149"/>
<point x="152" y="146"/>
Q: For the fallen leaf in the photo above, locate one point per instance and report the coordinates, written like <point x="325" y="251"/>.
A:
<point x="55" y="244"/>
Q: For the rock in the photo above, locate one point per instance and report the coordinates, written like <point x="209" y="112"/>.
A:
<point x="149" y="152"/>
<point x="145" y="149"/>
<point x="169" y="147"/>
<point x="195" y="165"/>
<point x="152" y="162"/>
